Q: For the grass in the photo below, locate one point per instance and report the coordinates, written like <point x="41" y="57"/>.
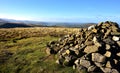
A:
<point x="20" y="33"/>
<point x="20" y="54"/>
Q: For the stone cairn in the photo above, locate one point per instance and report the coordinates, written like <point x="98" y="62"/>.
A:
<point x="93" y="49"/>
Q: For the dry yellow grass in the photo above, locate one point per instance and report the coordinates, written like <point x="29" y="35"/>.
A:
<point x="35" y="32"/>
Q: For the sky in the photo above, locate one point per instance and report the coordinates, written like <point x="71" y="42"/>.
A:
<point x="61" y="10"/>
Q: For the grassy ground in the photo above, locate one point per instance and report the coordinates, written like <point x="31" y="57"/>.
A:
<point x="19" y="33"/>
<point x="22" y="50"/>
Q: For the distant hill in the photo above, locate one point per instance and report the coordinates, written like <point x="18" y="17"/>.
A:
<point x="73" y="25"/>
<point x="10" y="23"/>
<point x="13" y="25"/>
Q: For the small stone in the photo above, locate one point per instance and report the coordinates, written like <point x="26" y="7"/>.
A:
<point x="98" y="44"/>
<point x="91" y="68"/>
<point x="103" y="31"/>
<point x="71" y="44"/>
<point x="118" y="54"/>
<point x="107" y="47"/>
<point x="115" y="33"/>
<point x="115" y="71"/>
<point x="74" y="67"/>
<point x="103" y="27"/>
<point x="118" y="42"/>
<point x="85" y="63"/>
<point x="81" y="69"/>
<point x="68" y="52"/>
<point x="109" y="41"/>
<point x="106" y="70"/>
<point x="91" y="49"/>
<point x="76" y="46"/>
<point x="96" y="57"/>
<point x="107" y="33"/>
<point x="99" y="64"/>
<point x="94" y="30"/>
<point x="66" y="63"/>
<point x="115" y="61"/>
<point x="114" y="28"/>
<point x="107" y="24"/>
<point x="94" y="39"/>
<point x="91" y="27"/>
<point x="115" y="38"/>
<point x="80" y="30"/>
<point x="77" y="62"/>
<point x="89" y="43"/>
<point x="100" y="24"/>
<point x="57" y="61"/>
<point x="108" y="65"/>
<point x="107" y="54"/>
<point x="48" y="51"/>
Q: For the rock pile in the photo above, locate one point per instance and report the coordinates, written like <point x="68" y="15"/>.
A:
<point x="94" y="49"/>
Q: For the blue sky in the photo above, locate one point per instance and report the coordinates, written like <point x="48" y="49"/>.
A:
<point x="61" y="10"/>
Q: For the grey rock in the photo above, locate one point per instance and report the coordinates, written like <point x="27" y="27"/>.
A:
<point x="107" y="33"/>
<point x="108" y="64"/>
<point x="118" y="42"/>
<point x="86" y="57"/>
<point x="109" y="41"/>
<point x="115" y="38"/>
<point x="118" y="54"/>
<point x="96" y="57"/>
<point x="91" y="49"/>
<point x="91" y="27"/>
<point x="81" y="69"/>
<point x="89" y="43"/>
<point x="74" y="67"/>
<point x="115" y="33"/>
<point x="106" y="70"/>
<point x="108" y="54"/>
<point x="100" y="24"/>
<point x="98" y="44"/>
<point x="115" y="71"/>
<point x="48" y="51"/>
<point x="92" y="68"/>
<point x="95" y="39"/>
<point x="85" y="63"/>
<point x="115" y="61"/>
<point x="99" y="64"/>
<point x="94" y="30"/>
<point x="107" y="47"/>
<point x="77" y="62"/>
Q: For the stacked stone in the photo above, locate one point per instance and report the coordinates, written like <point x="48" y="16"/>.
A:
<point x="95" y="49"/>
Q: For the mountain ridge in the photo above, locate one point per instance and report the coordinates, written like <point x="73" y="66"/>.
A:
<point x="7" y="23"/>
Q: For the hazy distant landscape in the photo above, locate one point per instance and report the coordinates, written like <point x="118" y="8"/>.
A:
<point x="9" y="23"/>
